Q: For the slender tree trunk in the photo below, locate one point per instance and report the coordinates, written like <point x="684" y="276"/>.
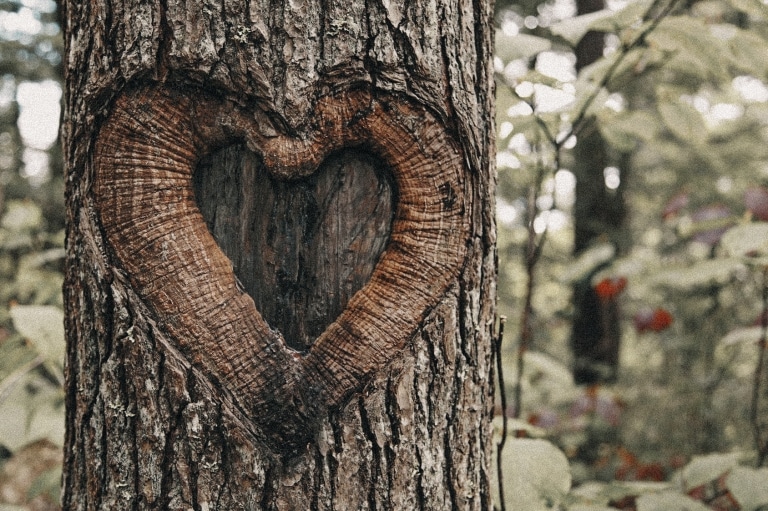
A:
<point x="338" y="156"/>
<point x="598" y="216"/>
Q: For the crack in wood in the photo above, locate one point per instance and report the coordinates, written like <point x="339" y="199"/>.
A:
<point x="144" y="160"/>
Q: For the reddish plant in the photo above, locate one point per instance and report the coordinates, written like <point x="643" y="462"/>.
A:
<point x="652" y="320"/>
<point x="674" y="205"/>
<point x="711" y="215"/>
<point x="609" y="288"/>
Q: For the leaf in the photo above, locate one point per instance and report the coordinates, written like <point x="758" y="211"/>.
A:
<point x="46" y="416"/>
<point x="536" y="474"/>
<point x="574" y="29"/>
<point x="624" y="129"/>
<point x="749" y="487"/>
<point x="47" y="484"/>
<point x="749" y="52"/>
<point x="22" y="215"/>
<point x="745" y="335"/>
<point x="43" y="257"/>
<point x="11" y="507"/>
<point x="27" y="417"/>
<point x="684" y="121"/>
<point x="668" y="501"/>
<point x="43" y="326"/>
<point x="588" y="261"/>
<point x="692" y="47"/>
<point x="702" y="274"/>
<point x="749" y="241"/>
<point x="539" y="365"/>
<point x="520" y="46"/>
<point x="703" y="469"/>
<point x="754" y="8"/>
<point x="606" y="20"/>
<point x="623" y="18"/>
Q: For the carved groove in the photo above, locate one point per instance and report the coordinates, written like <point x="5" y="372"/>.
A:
<point x="145" y="155"/>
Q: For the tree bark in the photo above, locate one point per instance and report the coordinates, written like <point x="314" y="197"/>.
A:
<point x="281" y="264"/>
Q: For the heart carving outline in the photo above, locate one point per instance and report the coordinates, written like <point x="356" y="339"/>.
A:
<point x="144" y="158"/>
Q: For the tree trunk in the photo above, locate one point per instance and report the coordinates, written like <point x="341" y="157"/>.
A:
<point x="281" y="265"/>
<point x="599" y="215"/>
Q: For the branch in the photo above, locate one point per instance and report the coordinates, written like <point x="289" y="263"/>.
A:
<point x="761" y="443"/>
<point x="579" y="121"/>
<point x="504" y="425"/>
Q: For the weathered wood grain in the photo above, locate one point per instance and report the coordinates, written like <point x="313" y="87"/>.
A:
<point x="144" y="162"/>
<point x="302" y="248"/>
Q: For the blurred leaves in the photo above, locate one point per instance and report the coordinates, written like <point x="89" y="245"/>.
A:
<point x="682" y="102"/>
<point x="43" y="326"/>
<point x="668" y="501"/>
<point x="703" y="469"/>
<point x="749" y="487"/>
<point x="700" y="275"/>
<point x="746" y="335"/>
<point x="31" y="479"/>
<point x="31" y="256"/>
<point x="605" y="20"/>
<point x="537" y="474"/>
<point x="520" y="46"/>
<point x="748" y="242"/>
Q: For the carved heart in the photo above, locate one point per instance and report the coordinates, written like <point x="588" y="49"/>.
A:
<point x="144" y="158"/>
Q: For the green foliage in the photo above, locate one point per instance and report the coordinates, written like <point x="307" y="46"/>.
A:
<point x="537" y="475"/>
<point x="31" y="355"/>
<point x="681" y="100"/>
<point x="538" y="478"/>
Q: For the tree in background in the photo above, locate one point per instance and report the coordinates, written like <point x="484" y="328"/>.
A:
<point x="598" y="217"/>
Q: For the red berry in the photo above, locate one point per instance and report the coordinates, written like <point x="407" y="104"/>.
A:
<point x="610" y="288"/>
<point x="650" y="472"/>
<point x="653" y="320"/>
<point x="662" y="319"/>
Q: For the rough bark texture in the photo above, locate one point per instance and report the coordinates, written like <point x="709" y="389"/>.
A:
<point x="181" y="392"/>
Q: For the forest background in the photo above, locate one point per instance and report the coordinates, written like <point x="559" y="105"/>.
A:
<point x="632" y="212"/>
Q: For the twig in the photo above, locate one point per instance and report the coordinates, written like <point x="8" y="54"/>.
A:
<point x="760" y="443"/>
<point x="533" y="252"/>
<point x="504" y="425"/>
<point x="578" y="123"/>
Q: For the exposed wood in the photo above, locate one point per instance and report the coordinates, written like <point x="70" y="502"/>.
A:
<point x="299" y="248"/>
